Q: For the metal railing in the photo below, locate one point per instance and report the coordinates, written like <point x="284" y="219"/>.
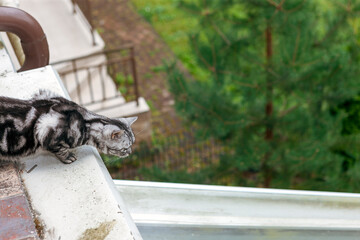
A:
<point x="33" y="39"/>
<point x="85" y="7"/>
<point x="91" y="81"/>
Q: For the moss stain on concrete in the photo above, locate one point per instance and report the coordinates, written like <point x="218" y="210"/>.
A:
<point x="98" y="233"/>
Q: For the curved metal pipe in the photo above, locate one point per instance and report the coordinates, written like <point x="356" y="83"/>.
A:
<point x="33" y="39"/>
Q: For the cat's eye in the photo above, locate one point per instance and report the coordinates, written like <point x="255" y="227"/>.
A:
<point x="117" y="134"/>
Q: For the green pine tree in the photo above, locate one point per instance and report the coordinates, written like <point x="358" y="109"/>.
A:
<point x="275" y="69"/>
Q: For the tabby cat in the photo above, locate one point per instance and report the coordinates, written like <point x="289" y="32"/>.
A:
<point x="58" y="125"/>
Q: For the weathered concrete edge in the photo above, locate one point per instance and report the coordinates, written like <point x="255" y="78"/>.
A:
<point x="106" y="176"/>
<point x="134" y="230"/>
<point x="25" y="87"/>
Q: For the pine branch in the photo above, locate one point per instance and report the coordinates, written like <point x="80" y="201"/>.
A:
<point x="287" y="111"/>
<point x="278" y="6"/>
<point x="221" y="34"/>
<point x="295" y="8"/>
<point x="199" y="54"/>
<point x="330" y="32"/>
<point x="296" y="46"/>
<point x="205" y="109"/>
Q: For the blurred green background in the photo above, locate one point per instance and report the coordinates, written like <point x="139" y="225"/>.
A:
<point x="275" y="85"/>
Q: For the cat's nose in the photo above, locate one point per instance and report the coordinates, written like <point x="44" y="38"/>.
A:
<point x="128" y="151"/>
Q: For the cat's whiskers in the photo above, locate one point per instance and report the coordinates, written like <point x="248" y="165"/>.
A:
<point x="136" y="134"/>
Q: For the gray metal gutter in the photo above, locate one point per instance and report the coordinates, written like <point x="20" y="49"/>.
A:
<point x="203" y="209"/>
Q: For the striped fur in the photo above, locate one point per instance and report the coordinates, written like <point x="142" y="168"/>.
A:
<point x="58" y="125"/>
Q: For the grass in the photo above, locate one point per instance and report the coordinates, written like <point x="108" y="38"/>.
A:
<point x="171" y="23"/>
<point x="174" y="26"/>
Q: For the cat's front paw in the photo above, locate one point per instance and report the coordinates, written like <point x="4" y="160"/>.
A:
<point x="70" y="158"/>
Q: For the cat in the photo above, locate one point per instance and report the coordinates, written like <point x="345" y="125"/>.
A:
<point x="55" y="124"/>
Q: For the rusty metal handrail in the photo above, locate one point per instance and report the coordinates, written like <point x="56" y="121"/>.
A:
<point x="74" y="69"/>
<point x="109" y="62"/>
<point x="106" y="52"/>
<point x="33" y="39"/>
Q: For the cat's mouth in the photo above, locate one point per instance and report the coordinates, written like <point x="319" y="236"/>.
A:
<point x="120" y="153"/>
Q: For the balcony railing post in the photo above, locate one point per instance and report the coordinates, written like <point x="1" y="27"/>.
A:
<point x="73" y="63"/>
<point x="74" y="6"/>
<point x="90" y="19"/>
<point x="133" y="63"/>
<point x="85" y="7"/>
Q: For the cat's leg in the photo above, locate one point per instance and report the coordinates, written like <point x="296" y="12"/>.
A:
<point x="63" y="153"/>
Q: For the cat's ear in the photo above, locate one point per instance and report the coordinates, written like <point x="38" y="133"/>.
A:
<point x="117" y="134"/>
<point x="131" y="120"/>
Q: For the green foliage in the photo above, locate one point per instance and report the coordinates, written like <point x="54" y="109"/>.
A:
<point x="157" y="69"/>
<point x="348" y="144"/>
<point x="122" y="79"/>
<point x="351" y="123"/>
<point x="297" y="59"/>
<point x="124" y="82"/>
<point x="173" y="25"/>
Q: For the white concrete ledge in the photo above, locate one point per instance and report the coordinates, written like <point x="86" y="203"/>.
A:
<point x="74" y="201"/>
<point x="70" y="202"/>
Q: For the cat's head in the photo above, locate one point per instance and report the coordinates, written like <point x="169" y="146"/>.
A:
<point x="117" y="137"/>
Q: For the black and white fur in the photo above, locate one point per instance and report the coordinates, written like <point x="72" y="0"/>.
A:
<point x="58" y="125"/>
